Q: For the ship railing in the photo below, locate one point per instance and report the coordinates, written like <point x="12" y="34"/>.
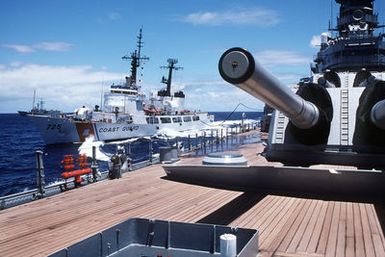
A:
<point x="60" y="186"/>
<point x="210" y="141"/>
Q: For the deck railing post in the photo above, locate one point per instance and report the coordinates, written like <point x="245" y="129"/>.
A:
<point x="178" y="150"/>
<point x="211" y="139"/>
<point x="94" y="165"/>
<point x="204" y="139"/>
<point x="150" y="150"/>
<point x="40" y="181"/>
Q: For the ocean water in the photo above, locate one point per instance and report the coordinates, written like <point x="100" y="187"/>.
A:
<point x="19" y="140"/>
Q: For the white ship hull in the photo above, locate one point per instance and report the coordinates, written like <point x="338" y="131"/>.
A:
<point x="57" y="130"/>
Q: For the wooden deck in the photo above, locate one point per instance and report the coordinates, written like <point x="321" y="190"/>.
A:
<point x="288" y="226"/>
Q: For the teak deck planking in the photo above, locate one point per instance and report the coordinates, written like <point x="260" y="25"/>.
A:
<point x="290" y="227"/>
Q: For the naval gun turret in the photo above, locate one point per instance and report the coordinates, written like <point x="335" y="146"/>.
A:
<point x="304" y="118"/>
<point x="337" y="116"/>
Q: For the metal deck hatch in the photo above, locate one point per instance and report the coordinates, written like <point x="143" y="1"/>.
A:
<point x="148" y="238"/>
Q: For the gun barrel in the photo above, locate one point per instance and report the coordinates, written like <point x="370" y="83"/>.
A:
<point x="238" y="67"/>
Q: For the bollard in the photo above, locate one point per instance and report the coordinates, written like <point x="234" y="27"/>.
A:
<point x="228" y="245"/>
<point x="40" y="174"/>
<point x="189" y="142"/>
<point x="94" y="165"/>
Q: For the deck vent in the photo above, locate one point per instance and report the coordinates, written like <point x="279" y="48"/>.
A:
<point x="232" y="159"/>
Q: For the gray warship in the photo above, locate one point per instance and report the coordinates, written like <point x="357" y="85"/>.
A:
<point x="335" y="117"/>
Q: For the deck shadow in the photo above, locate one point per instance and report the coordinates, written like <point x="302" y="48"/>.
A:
<point x="233" y="209"/>
<point x="380" y="210"/>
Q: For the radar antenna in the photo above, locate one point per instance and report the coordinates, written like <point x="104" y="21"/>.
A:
<point x="171" y="66"/>
<point x="136" y="60"/>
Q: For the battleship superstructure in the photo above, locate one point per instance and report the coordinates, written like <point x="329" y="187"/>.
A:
<point x="126" y="113"/>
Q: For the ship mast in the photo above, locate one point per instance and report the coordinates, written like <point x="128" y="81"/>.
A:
<point x="136" y="60"/>
<point x="171" y="66"/>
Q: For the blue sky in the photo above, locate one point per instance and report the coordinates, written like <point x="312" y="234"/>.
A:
<point x="70" y="51"/>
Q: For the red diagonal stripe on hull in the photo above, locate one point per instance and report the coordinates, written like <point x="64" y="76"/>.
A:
<point x="84" y="130"/>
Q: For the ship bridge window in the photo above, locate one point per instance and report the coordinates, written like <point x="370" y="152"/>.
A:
<point x="187" y="119"/>
<point x="195" y="118"/>
<point x="165" y="120"/>
<point x="152" y="120"/>
<point x="176" y="119"/>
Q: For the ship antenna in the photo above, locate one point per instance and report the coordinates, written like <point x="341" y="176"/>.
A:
<point x="136" y="59"/>
<point x="331" y="17"/>
<point x="139" y="45"/>
<point x="101" y="95"/>
<point x="171" y="66"/>
<point x="34" y="97"/>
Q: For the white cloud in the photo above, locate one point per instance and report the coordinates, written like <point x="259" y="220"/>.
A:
<point x="272" y="58"/>
<point x="261" y="17"/>
<point x="217" y="95"/>
<point x="114" y="16"/>
<point x="15" y="64"/>
<point x="67" y="87"/>
<point x="20" y="48"/>
<point x="45" y="46"/>
<point x="63" y="87"/>
<point x="53" y="46"/>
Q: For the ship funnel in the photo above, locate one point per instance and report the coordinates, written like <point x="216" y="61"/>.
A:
<point x="238" y="67"/>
